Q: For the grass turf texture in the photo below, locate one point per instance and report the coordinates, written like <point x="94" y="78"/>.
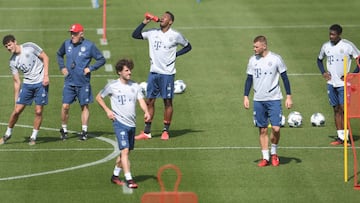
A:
<point x="213" y="140"/>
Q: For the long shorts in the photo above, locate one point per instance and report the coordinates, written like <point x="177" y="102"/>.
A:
<point x="160" y="85"/>
<point x="33" y="92"/>
<point x="82" y="93"/>
<point x="265" y="111"/>
<point x="336" y="95"/>
<point x="125" y="135"/>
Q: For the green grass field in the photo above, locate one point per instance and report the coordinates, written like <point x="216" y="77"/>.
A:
<point x="213" y="140"/>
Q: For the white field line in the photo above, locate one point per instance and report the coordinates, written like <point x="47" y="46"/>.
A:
<point x="231" y="27"/>
<point x="43" y="8"/>
<point x="178" y="148"/>
<point x="54" y="150"/>
<point x="226" y="27"/>
<point x="116" y="152"/>
<point x="110" y="75"/>
<point x="238" y="147"/>
<point x="109" y="157"/>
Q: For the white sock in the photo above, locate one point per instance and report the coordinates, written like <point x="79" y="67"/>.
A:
<point x="340" y="134"/>
<point x="128" y="176"/>
<point x="343" y="134"/>
<point x="34" y="134"/>
<point x="8" y="131"/>
<point x="117" y="171"/>
<point x="64" y="127"/>
<point x="265" y="154"/>
<point x="84" y="128"/>
<point x="273" y="149"/>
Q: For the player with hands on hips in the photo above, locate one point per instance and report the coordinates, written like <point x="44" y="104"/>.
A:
<point x="123" y="94"/>
<point x="263" y="72"/>
<point x="77" y="72"/>
<point x="335" y="50"/>
<point x="163" y="43"/>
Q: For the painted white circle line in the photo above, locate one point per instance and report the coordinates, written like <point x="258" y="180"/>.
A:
<point x="109" y="157"/>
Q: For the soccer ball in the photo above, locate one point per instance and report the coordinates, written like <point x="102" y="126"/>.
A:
<point x="317" y="119"/>
<point x="143" y="86"/>
<point x="294" y="119"/>
<point x="179" y="86"/>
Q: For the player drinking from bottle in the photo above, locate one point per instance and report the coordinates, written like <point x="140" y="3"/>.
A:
<point x="163" y="43"/>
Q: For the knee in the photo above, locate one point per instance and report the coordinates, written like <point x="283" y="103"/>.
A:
<point x="150" y="102"/>
<point x="124" y="153"/>
<point x="38" y="113"/>
<point x="85" y="107"/>
<point x="16" y="112"/>
<point x="263" y="131"/>
<point x="168" y="103"/>
<point x="338" y="109"/>
<point x="65" y="107"/>
<point x="276" y="129"/>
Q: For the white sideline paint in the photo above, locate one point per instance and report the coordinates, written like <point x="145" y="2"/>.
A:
<point x="54" y="150"/>
<point x="99" y="31"/>
<point x="43" y="8"/>
<point x="105" y="76"/>
<point x="103" y="41"/>
<point x="108" y="68"/>
<point x="111" y="156"/>
<point x="106" y="54"/>
<point x="116" y="151"/>
<point x="231" y="27"/>
<point x="239" y="147"/>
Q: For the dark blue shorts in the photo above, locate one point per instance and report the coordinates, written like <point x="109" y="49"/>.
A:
<point x="125" y="135"/>
<point x="336" y="95"/>
<point x="82" y="93"/>
<point x="33" y="92"/>
<point x="265" y="111"/>
<point x="160" y="85"/>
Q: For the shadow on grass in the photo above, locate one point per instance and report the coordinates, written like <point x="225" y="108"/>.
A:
<point x="285" y="160"/>
<point x="355" y="137"/>
<point x="352" y="176"/>
<point x="142" y="178"/>
<point x="94" y="134"/>
<point x="177" y="133"/>
<point x="173" y="133"/>
<point x="74" y="135"/>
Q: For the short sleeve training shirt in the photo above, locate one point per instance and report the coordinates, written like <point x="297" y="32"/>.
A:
<point x="29" y="63"/>
<point x="123" y="98"/>
<point x="335" y="59"/>
<point x="162" y="49"/>
<point x="266" y="73"/>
